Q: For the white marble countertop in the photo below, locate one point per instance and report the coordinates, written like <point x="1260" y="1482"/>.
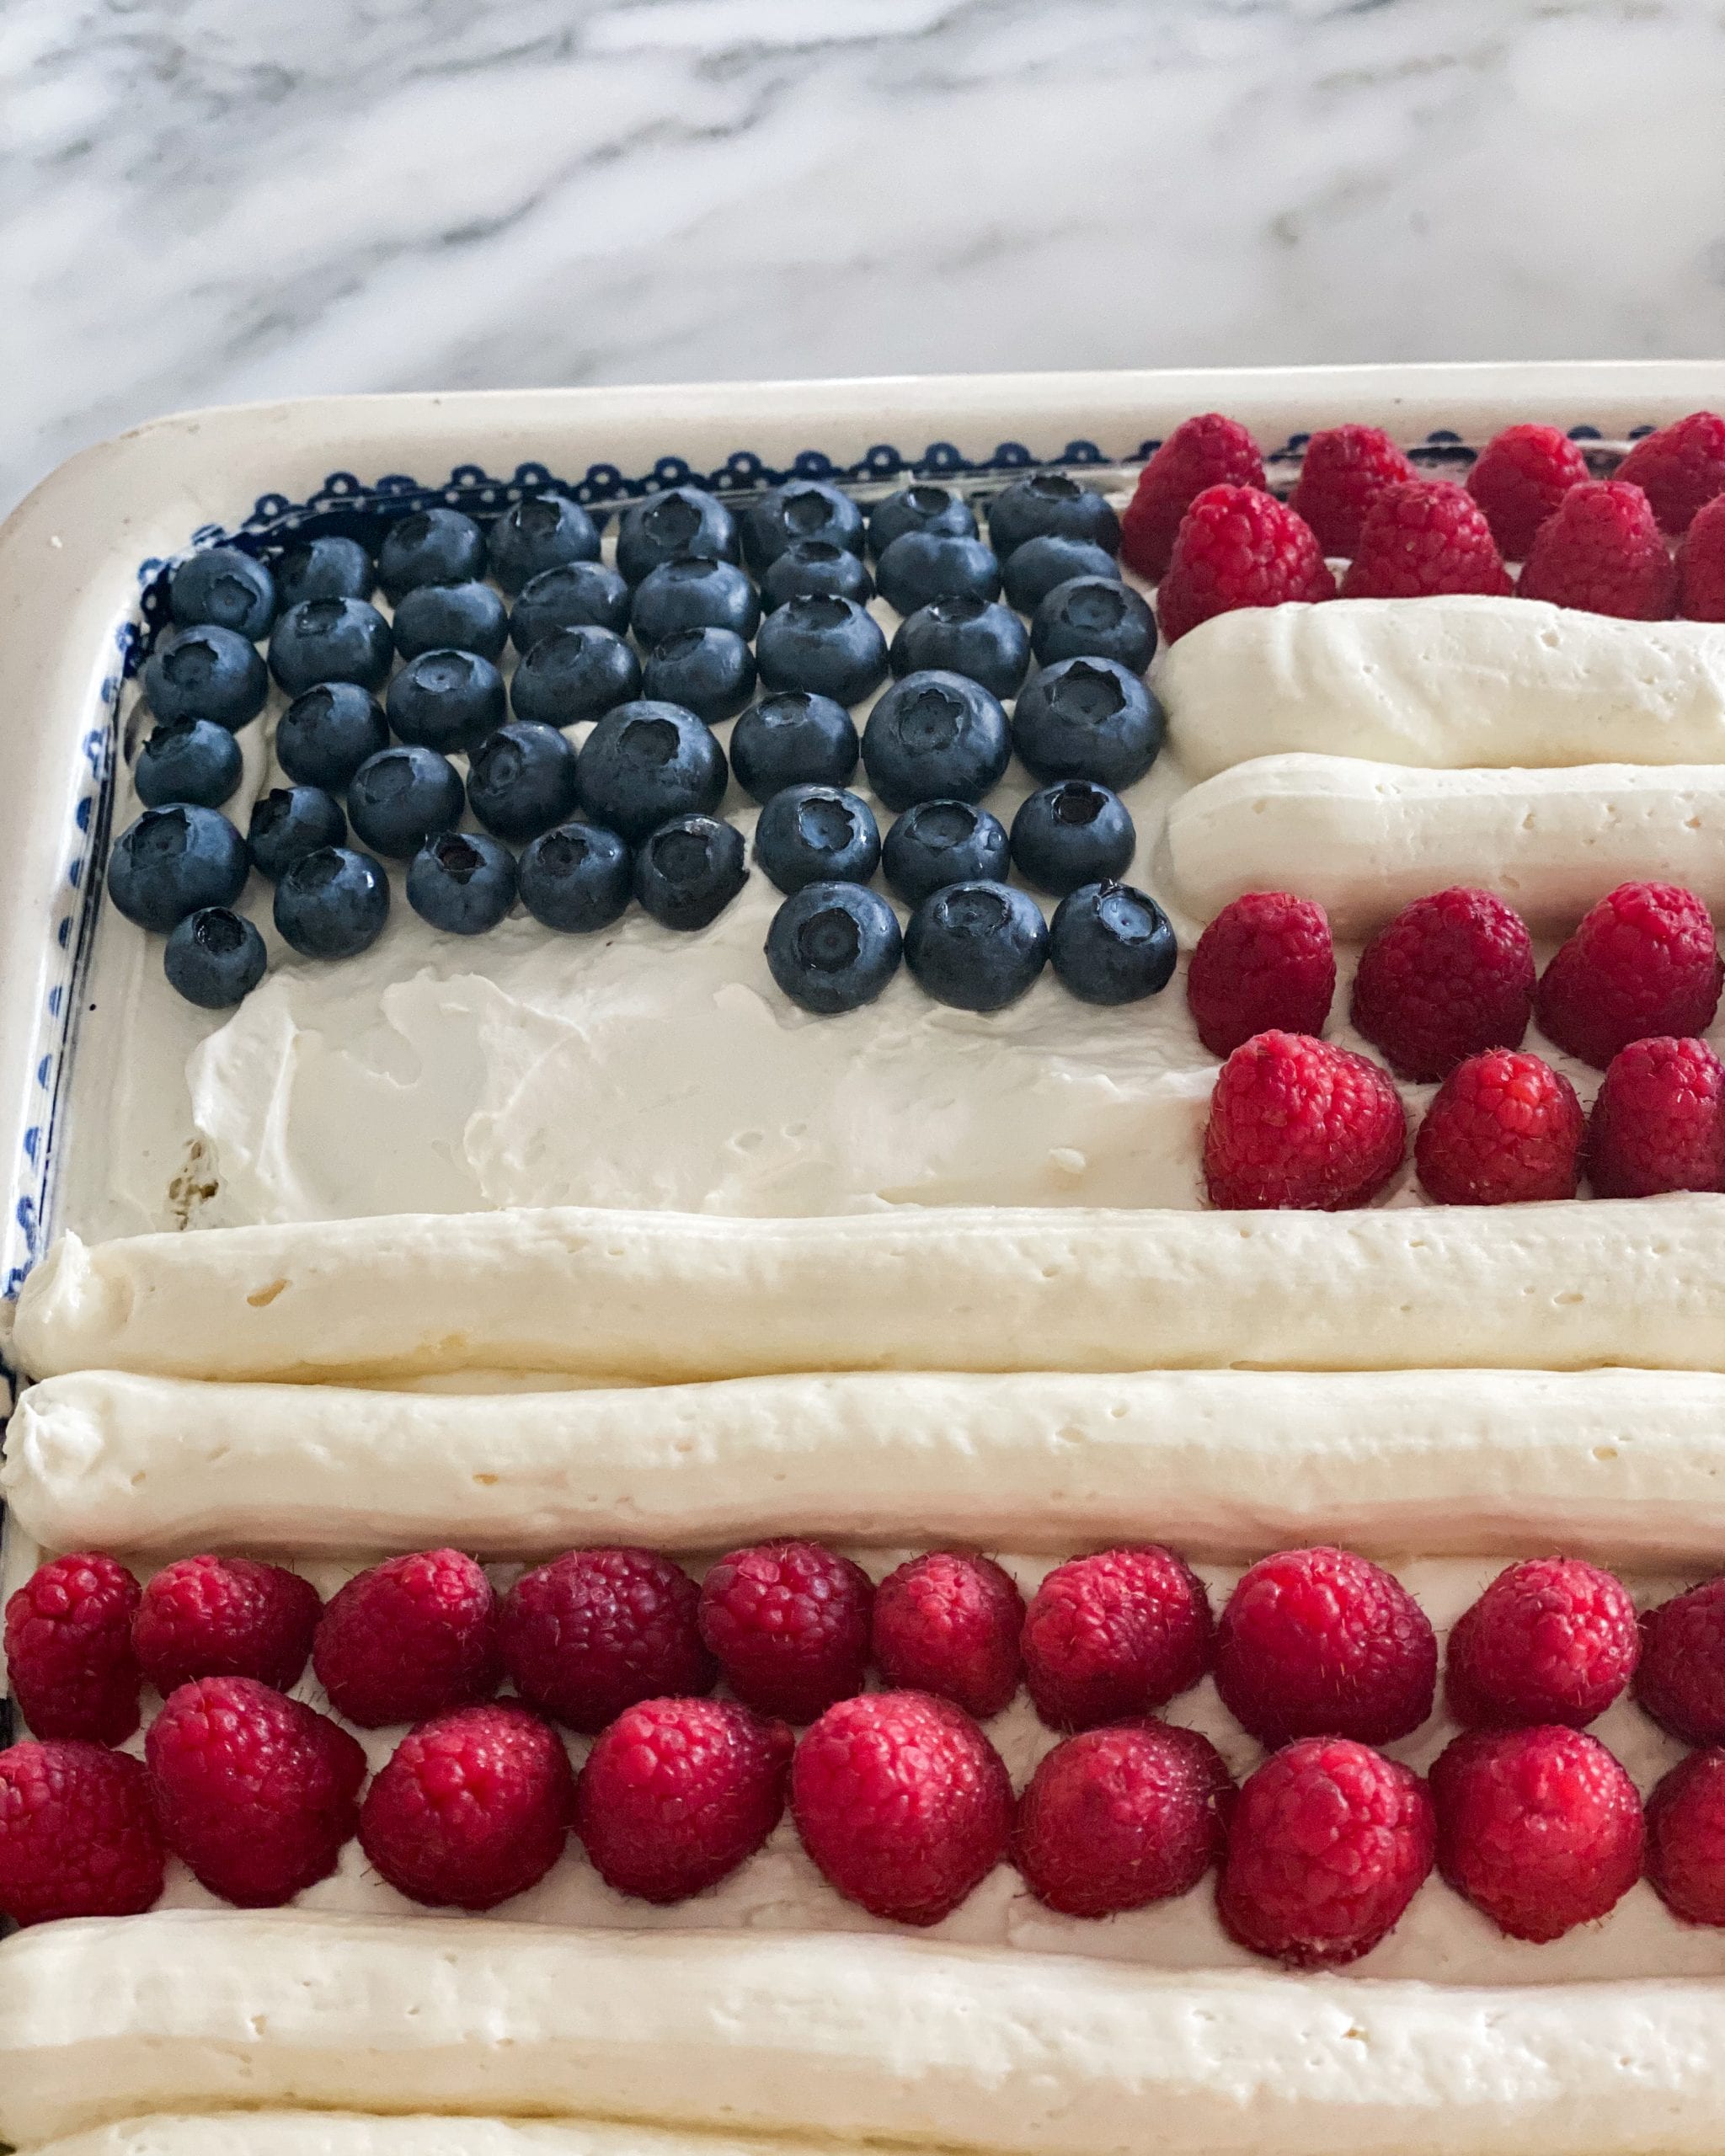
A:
<point x="202" y="202"/>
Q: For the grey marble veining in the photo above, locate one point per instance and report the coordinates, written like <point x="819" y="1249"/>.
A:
<point x="205" y="201"/>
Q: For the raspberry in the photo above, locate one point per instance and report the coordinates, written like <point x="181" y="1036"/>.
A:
<point x="789" y="1624"/>
<point x="1642" y="962"/>
<point x="1503" y="1130"/>
<point x="1423" y="537"/>
<point x="1701" y="565"/>
<point x="1680" y="468"/>
<point x="1115" y="1635"/>
<point x="902" y="1803"/>
<point x="1265" y="961"/>
<point x="1603" y="550"/>
<point x="1550" y="1640"/>
<point x="1520" y="477"/>
<point x="1328" y="1845"/>
<point x="1680" y="1679"/>
<point x="1322" y="1643"/>
<point x="1685" y="1856"/>
<point x="414" y="1636"/>
<point x="1239" y="546"/>
<point x="77" y="1838"/>
<point x="1294" y="1122"/>
<point x="471" y="1808"/>
<point x="950" y="1625"/>
<point x="225" y="1617"/>
<point x="677" y="1793"/>
<point x="1207" y="452"/>
<point x="1540" y="1829"/>
<point x="69" y="1651"/>
<point x="255" y="1791"/>
<point x="1451" y="974"/>
<point x="594" y="1631"/>
<point x="1117" y="1818"/>
<point x="1343" y="470"/>
<point x="1659" y="1121"/>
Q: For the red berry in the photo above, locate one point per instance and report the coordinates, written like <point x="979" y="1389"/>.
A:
<point x="1294" y="1122"/>
<point x="255" y="1791"/>
<point x="69" y="1651"/>
<point x="1554" y="1640"/>
<point x="1266" y="961"/>
<point x="1685" y="1855"/>
<point x="471" y="1808"/>
<point x="1504" y="1129"/>
<point x="1680" y="1679"/>
<point x="1642" y="962"/>
<point x="1451" y="974"/>
<point x="950" y="1625"/>
<point x="594" y="1630"/>
<point x="1423" y="537"/>
<point x="789" y="1624"/>
<point x="1540" y="1829"/>
<point x="1322" y="1643"/>
<point x="1701" y="565"/>
<point x="413" y="1636"/>
<point x="1117" y="1818"/>
<point x="1207" y="452"/>
<point x="1603" y="550"/>
<point x="1520" y="478"/>
<point x="902" y="1803"/>
<point x="225" y="1617"/>
<point x="677" y="1793"/>
<point x="1343" y="470"/>
<point x="1680" y="468"/>
<point x="1115" y="1635"/>
<point x="1239" y="546"/>
<point x="77" y="1838"/>
<point x="1328" y="1845"/>
<point x="1659" y="1121"/>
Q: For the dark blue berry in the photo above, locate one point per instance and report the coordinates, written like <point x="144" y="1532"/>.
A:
<point x="434" y="546"/>
<point x="579" y="595"/>
<point x="682" y="520"/>
<point x="1039" y="565"/>
<point x="810" y="567"/>
<point x="834" y="947"/>
<point x="333" y="904"/>
<point x="323" y="737"/>
<point x="646" y="762"/>
<point x="329" y="568"/>
<point x="977" y="945"/>
<point x="825" y="643"/>
<point x="208" y="672"/>
<point x="977" y="638"/>
<point x="924" y="507"/>
<point x="1049" y="504"/>
<point x="576" y="878"/>
<point x="805" y="508"/>
<point x="693" y="592"/>
<point x="330" y="640"/>
<point x="451" y="616"/>
<point x="1111" y="944"/>
<point x="191" y="760"/>
<point x="1088" y="718"/>
<point x="461" y="882"/>
<point x="539" y="533"/>
<point x="1094" y="618"/>
<point x="689" y="870"/>
<point x="934" y="736"/>
<point x="575" y="674"/>
<point x="923" y="565"/>
<point x="942" y="842"/>
<point x="711" y="672"/>
<point x="398" y="797"/>
<point x="1072" y="832"/>
<point x="224" y="586"/>
<point x="214" y="958"/>
<point x="817" y="834"/>
<point x="521" y="781"/>
<point x="794" y="738"/>
<point x="446" y="700"/>
<point x="172" y="861"/>
<point x="289" y="821"/>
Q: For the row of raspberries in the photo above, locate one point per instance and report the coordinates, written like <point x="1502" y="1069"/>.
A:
<point x="1204" y="527"/>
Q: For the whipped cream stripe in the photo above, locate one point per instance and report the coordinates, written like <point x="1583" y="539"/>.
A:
<point x="423" y="2133"/>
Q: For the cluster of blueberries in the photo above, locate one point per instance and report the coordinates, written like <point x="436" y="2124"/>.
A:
<point x="632" y="814"/>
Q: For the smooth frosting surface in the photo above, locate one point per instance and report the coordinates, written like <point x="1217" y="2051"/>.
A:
<point x="355" y="2133"/>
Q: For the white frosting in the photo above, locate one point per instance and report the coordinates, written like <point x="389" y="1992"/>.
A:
<point x="421" y="2133"/>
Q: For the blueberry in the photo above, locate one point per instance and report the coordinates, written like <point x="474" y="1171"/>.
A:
<point x="539" y="533"/>
<point x="461" y="883"/>
<point x="575" y="674"/>
<point x="1093" y="617"/>
<point x="1047" y="504"/>
<point x="214" y="958"/>
<point x="323" y="737"/>
<point x="1088" y="718"/>
<point x="1072" y="832"/>
<point x="190" y="760"/>
<point x="329" y="568"/>
<point x="935" y="736"/>
<point x="923" y="565"/>
<point x="710" y="672"/>
<point x="1032" y="572"/>
<point x="333" y="904"/>
<point x="208" y="672"/>
<point x="225" y="586"/>
<point x="977" y="638"/>
<point x="172" y="861"/>
<point x="810" y="567"/>
<point x="521" y="781"/>
<point x="682" y="520"/>
<point x="646" y="762"/>
<point x="576" y="878"/>
<point x="817" y="834"/>
<point x="400" y="796"/>
<point x="834" y="947"/>
<point x="942" y="842"/>
<point x="924" y="507"/>
<point x="977" y="945"/>
<point x="290" y="821"/>
<point x="794" y="738"/>
<point x="330" y="640"/>
<point x="1111" y="944"/>
<point x="446" y="700"/>
<point x="579" y="595"/>
<point x="434" y="546"/>
<point x="805" y="508"/>
<point x="690" y="870"/>
<point x="825" y="643"/>
<point x="445" y="616"/>
<point x="693" y="592"/>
